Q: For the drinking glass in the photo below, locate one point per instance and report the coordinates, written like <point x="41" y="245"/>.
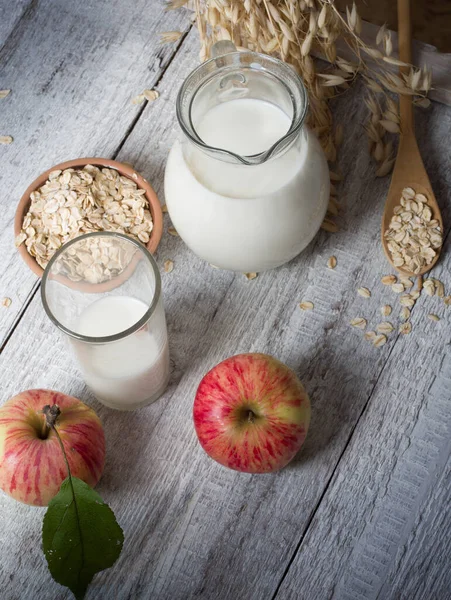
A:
<point x="103" y="290"/>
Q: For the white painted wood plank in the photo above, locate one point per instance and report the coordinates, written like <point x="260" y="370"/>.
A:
<point x="193" y="528"/>
<point x="73" y="68"/>
<point x="382" y="530"/>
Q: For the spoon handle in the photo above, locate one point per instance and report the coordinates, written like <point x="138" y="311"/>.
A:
<point x="405" y="54"/>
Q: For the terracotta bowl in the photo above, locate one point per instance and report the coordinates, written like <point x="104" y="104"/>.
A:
<point x="125" y="170"/>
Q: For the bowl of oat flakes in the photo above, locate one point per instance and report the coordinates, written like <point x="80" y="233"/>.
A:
<point x="80" y="196"/>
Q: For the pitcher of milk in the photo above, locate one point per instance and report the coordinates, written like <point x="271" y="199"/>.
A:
<point x="247" y="185"/>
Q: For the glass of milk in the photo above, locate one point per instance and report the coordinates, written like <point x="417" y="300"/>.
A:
<point x="103" y="290"/>
<point x="247" y="185"/>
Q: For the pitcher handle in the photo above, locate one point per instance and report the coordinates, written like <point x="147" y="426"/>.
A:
<point x="222" y="47"/>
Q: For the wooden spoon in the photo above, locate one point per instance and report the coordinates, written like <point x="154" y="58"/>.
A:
<point x="409" y="169"/>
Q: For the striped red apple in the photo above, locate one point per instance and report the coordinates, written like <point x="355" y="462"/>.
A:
<point x="32" y="465"/>
<point x="251" y="413"/>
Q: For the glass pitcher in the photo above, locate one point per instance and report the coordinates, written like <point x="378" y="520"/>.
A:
<point x="247" y="185"/>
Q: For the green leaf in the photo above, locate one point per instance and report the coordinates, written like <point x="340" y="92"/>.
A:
<point x="80" y="536"/>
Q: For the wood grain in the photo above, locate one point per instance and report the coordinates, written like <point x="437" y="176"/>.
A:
<point x="10" y="15"/>
<point x="194" y="529"/>
<point x="382" y="530"/>
<point x="73" y="68"/>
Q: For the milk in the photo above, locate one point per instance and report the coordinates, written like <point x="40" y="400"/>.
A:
<point x="240" y="217"/>
<point x="127" y="373"/>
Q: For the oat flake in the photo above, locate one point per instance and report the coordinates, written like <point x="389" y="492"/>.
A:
<point x="168" y="266"/>
<point x="306" y="305"/>
<point x="332" y="262"/>
<point x="405" y="328"/>
<point x="385" y="327"/>
<point x="388" y="279"/>
<point x="386" y="310"/>
<point x="364" y="292"/>
<point x="359" y="322"/>
<point x="405" y="313"/>
<point x="379" y="340"/>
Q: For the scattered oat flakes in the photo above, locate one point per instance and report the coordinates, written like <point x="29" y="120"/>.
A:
<point x="439" y="288"/>
<point x="76" y="201"/>
<point x="139" y="99"/>
<point x="413" y="237"/>
<point x="329" y="226"/>
<point x="385" y="327"/>
<point x="359" y="322"/>
<point x="6" y="302"/>
<point x="332" y="262"/>
<point x="151" y="95"/>
<point x="164" y="209"/>
<point x="429" y="287"/>
<point x="405" y="328"/>
<point x="407" y="283"/>
<point x="251" y="276"/>
<point x="406" y="300"/>
<point x="405" y="313"/>
<point x="379" y="340"/>
<point x="364" y="292"/>
<point x="306" y="306"/>
<point x="168" y="266"/>
<point x="414" y="295"/>
<point x="398" y="288"/>
<point x="6" y="139"/>
<point x="434" y="317"/>
<point x="370" y="335"/>
<point x="447" y="300"/>
<point x="172" y="231"/>
<point x="4" y="93"/>
<point x="386" y="310"/>
<point x="388" y="279"/>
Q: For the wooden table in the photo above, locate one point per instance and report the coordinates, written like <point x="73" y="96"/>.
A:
<point x="364" y="510"/>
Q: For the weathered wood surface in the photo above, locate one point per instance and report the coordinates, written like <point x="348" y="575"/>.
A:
<point x="194" y="529"/>
<point x="10" y="15"/>
<point x="73" y="68"/>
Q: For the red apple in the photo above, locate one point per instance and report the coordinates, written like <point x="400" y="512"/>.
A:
<point x="32" y="465"/>
<point x="251" y="413"/>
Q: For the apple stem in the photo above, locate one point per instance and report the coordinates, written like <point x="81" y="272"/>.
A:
<point x="51" y="415"/>
<point x="45" y="430"/>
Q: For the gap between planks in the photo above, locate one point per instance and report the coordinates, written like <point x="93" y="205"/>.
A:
<point x="146" y="102"/>
<point x="119" y="147"/>
<point x="337" y="464"/>
<point x="352" y="432"/>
